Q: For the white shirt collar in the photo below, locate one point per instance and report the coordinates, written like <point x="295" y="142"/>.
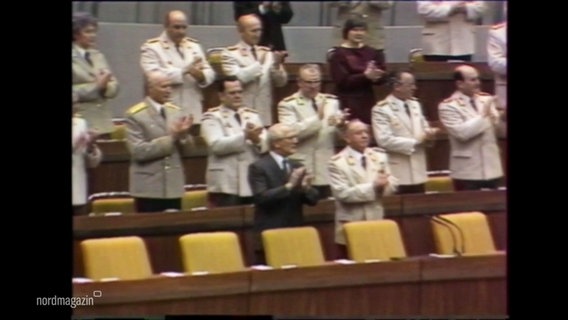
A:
<point x="398" y="101"/>
<point x="156" y="105"/>
<point x="354" y="153"/>
<point x="278" y="158"/>
<point x="80" y="50"/>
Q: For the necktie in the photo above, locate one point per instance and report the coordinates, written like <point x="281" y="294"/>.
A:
<point x="285" y="165"/>
<point x="253" y="50"/>
<point x="88" y="58"/>
<point x="163" y="112"/>
<point x="238" y="117"/>
<point x="314" y="105"/>
<point x="179" y="51"/>
<point x="364" y="162"/>
<point x="473" y="104"/>
<point x="407" y="110"/>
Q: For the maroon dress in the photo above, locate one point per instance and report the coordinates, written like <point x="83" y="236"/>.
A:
<point x="353" y="89"/>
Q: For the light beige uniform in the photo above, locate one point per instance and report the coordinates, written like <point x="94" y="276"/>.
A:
<point x="257" y="76"/>
<point x="353" y="189"/>
<point x="80" y="161"/>
<point x="398" y="134"/>
<point x="316" y="137"/>
<point x="230" y="154"/>
<point x="474" y="153"/>
<point x="161" y="54"/>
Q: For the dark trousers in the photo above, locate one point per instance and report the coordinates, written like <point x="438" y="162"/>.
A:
<point x="228" y="200"/>
<point x="324" y="192"/>
<point x="149" y="205"/>
<point x="463" y="185"/>
<point x="440" y="58"/>
<point x="81" y="210"/>
<point x="411" y="188"/>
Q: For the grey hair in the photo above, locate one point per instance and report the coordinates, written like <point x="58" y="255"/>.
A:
<point x="276" y="132"/>
<point x="310" y="66"/>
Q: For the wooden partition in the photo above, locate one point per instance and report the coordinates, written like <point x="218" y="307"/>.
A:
<point x="412" y="212"/>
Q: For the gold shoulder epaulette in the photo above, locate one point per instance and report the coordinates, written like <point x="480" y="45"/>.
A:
<point x="448" y="100"/>
<point x="250" y="110"/>
<point x="213" y="109"/>
<point x="191" y="39"/>
<point x="483" y="94"/>
<point x="171" y="105"/>
<point x="290" y="98"/>
<point x="498" y="26"/>
<point x="377" y="149"/>
<point x="264" y="48"/>
<point x="154" y="40"/>
<point x="414" y="98"/>
<point x="329" y="95"/>
<point x="136" y="108"/>
<point x="232" y="48"/>
<point x="383" y="103"/>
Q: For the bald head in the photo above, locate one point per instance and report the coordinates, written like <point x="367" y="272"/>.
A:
<point x="357" y="135"/>
<point x="175" y="24"/>
<point x="250" y="28"/>
<point x="467" y="79"/>
<point x="282" y="139"/>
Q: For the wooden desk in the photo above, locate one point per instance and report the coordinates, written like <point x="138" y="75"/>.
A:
<point x="389" y="288"/>
<point x="161" y="231"/>
<point x="475" y="285"/>
<point x="210" y="294"/>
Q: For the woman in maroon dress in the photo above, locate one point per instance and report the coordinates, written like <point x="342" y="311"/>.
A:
<point x="355" y="68"/>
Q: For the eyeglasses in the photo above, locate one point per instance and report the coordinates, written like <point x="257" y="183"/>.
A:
<point x="179" y="26"/>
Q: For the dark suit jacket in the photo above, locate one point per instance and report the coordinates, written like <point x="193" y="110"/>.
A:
<point x="272" y="22"/>
<point x="354" y="90"/>
<point x="275" y="206"/>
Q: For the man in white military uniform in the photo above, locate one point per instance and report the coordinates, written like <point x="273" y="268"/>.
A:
<point x="236" y="137"/>
<point x="182" y="59"/>
<point x="255" y="66"/>
<point x="497" y="60"/>
<point x="470" y="118"/>
<point x="315" y="116"/>
<point x="359" y="178"/>
<point x="449" y="29"/>
<point x="401" y="129"/>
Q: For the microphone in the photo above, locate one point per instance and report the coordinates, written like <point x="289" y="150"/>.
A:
<point x="441" y="222"/>
<point x="460" y="231"/>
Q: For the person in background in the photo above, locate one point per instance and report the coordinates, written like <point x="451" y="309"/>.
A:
<point x="183" y="60"/>
<point x="497" y="60"/>
<point x="235" y="137"/>
<point x="273" y="15"/>
<point x="317" y="118"/>
<point x="157" y="136"/>
<point x="449" y="29"/>
<point x="402" y="130"/>
<point x="93" y="80"/>
<point x="356" y="68"/>
<point x="470" y="118"/>
<point x="86" y="154"/>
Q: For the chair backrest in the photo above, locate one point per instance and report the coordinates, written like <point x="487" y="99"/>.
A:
<point x="415" y="56"/>
<point x="194" y="199"/>
<point x="374" y="240"/>
<point x="292" y="246"/>
<point x="214" y="252"/>
<point x="125" y="258"/>
<point x="124" y="205"/>
<point x="214" y="57"/>
<point x="119" y="132"/>
<point x="439" y="184"/>
<point x="471" y="236"/>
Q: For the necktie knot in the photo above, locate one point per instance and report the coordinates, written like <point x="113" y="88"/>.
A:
<point x="238" y="117"/>
<point x="163" y="112"/>
<point x="253" y="51"/>
<point x="285" y="165"/>
<point x="179" y="51"/>
<point x="364" y="162"/>
<point x="472" y="101"/>
<point x="314" y="104"/>
<point x="407" y="109"/>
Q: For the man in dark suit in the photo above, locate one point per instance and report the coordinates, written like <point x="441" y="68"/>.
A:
<point x="273" y="15"/>
<point x="280" y="186"/>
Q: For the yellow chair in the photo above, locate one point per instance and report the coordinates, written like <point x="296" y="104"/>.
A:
<point x="439" y="184"/>
<point x="194" y="199"/>
<point x="415" y="56"/>
<point x="119" y="132"/>
<point x="124" y="205"/>
<point x="292" y="246"/>
<point x="214" y="252"/>
<point x="125" y="258"/>
<point x="374" y="240"/>
<point x="471" y="234"/>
